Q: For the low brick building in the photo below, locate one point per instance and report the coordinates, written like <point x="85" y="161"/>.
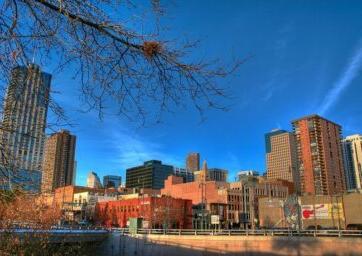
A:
<point x="235" y="203"/>
<point x="156" y="212"/>
<point x="208" y="197"/>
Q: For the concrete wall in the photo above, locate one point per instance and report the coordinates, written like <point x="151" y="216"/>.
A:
<point x="160" y="245"/>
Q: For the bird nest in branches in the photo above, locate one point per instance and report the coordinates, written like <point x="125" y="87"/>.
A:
<point x="151" y="48"/>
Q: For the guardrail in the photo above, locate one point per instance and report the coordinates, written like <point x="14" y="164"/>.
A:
<point x="54" y="231"/>
<point x="245" y="232"/>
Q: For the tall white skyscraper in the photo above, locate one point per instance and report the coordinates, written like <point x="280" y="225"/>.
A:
<point x="23" y="127"/>
<point x="352" y="154"/>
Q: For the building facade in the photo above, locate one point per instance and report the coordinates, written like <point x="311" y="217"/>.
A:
<point x="24" y="122"/>
<point x="65" y="195"/>
<point x="155" y="212"/>
<point x="84" y="204"/>
<point x="151" y="174"/>
<point x="67" y="199"/>
<point x="112" y="181"/>
<point x="352" y="154"/>
<point x="247" y="173"/>
<point x="193" y="162"/>
<point x="93" y="180"/>
<point x="186" y="174"/>
<point x="234" y="203"/>
<point x="58" y="165"/>
<point x="217" y="174"/>
<point x="320" y="158"/>
<point x="281" y="156"/>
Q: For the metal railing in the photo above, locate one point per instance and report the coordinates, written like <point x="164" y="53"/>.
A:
<point x="244" y="232"/>
<point x="64" y="230"/>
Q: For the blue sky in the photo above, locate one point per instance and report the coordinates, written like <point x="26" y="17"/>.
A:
<point x="307" y="58"/>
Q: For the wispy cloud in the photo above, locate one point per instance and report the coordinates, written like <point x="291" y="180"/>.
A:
<point x="350" y="72"/>
<point x="279" y="49"/>
<point x="133" y="150"/>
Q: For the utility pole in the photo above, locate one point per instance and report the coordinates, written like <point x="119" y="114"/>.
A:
<point x="245" y="206"/>
<point x="202" y="204"/>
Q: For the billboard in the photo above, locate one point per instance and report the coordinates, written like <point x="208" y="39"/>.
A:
<point x="322" y="211"/>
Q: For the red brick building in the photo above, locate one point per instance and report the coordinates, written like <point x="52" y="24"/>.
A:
<point x="195" y="191"/>
<point x="210" y="195"/>
<point x="320" y="157"/>
<point x="235" y="203"/>
<point x="156" y="212"/>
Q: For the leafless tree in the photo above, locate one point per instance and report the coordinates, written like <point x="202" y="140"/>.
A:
<point x="139" y="75"/>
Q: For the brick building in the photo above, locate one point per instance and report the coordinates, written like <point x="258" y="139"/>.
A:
<point x="243" y="198"/>
<point x="64" y="198"/>
<point x="208" y="197"/>
<point x="156" y="212"/>
<point x="320" y="156"/>
<point x="235" y="203"/>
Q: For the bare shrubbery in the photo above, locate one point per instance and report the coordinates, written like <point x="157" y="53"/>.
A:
<point x="25" y="222"/>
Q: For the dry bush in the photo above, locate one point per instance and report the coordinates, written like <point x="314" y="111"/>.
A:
<point x="32" y="213"/>
<point x="28" y="212"/>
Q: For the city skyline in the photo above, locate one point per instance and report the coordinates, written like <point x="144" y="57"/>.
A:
<point x="288" y="75"/>
<point x="181" y="128"/>
<point x="299" y="78"/>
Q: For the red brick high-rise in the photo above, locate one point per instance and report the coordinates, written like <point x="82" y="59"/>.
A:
<point x="320" y="157"/>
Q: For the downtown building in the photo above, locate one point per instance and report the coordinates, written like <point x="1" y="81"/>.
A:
<point x="193" y="162"/>
<point x="93" y="181"/>
<point x="352" y="153"/>
<point x="154" y="212"/>
<point x="187" y="175"/>
<point x="215" y="174"/>
<point x="58" y="164"/>
<point x="233" y="204"/>
<point x="151" y="174"/>
<point x="112" y="181"/>
<point x="281" y="156"/>
<point x="23" y="128"/>
<point x="320" y="158"/>
<point x="73" y="200"/>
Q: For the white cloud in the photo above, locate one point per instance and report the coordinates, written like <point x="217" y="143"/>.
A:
<point x="132" y="150"/>
<point x="350" y="72"/>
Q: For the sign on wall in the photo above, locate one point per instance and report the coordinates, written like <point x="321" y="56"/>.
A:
<point x="215" y="219"/>
<point x="317" y="211"/>
<point x="322" y="211"/>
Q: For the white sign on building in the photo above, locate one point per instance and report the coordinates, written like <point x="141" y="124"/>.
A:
<point x="215" y="219"/>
